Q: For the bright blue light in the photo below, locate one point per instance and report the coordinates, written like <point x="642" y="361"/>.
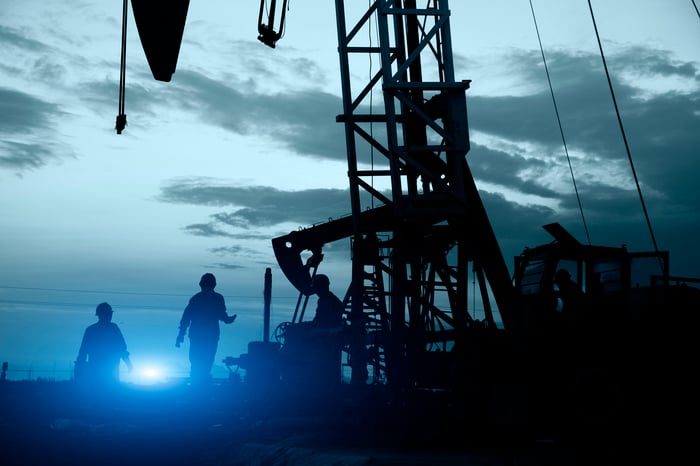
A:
<point x="149" y="373"/>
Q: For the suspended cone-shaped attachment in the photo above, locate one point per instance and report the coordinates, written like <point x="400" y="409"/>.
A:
<point x="160" y="24"/>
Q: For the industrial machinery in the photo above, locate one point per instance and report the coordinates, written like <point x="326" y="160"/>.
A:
<point x="420" y="233"/>
<point x="418" y="227"/>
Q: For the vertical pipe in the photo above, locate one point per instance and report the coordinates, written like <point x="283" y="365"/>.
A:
<point x="267" y="293"/>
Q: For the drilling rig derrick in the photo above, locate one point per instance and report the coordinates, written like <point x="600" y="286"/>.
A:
<point x="418" y="226"/>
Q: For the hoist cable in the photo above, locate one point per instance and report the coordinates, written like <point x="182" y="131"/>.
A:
<point x="622" y="130"/>
<point x="696" y="8"/>
<point x="561" y="130"/>
<point x="121" y="117"/>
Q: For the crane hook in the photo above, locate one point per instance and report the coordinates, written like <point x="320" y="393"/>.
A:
<point x="267" y="34"/>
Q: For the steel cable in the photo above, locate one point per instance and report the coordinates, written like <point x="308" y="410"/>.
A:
<point x="622" y="130"/>
<point x="561" y="131"/>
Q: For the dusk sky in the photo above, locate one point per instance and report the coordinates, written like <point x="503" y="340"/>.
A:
<point x="242" y="146"/>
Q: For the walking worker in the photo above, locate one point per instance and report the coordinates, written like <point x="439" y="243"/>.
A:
<point x="202" y="316"/>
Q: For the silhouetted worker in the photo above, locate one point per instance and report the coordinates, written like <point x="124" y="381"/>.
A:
<point x="327" y="325"/>
<point x="575" y="330"/>
<point x="570" y="294"/>
<point x="202" y="315"/>
<point x="329" y="308"/>
<point x="101" y="351"/>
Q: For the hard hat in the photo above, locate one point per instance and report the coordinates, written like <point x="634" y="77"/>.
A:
<point x="320" y="281"/>
<point x="103" y="309"/>
<point x="207" y="281"/>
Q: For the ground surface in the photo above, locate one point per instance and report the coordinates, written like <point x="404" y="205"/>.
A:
<point x="52" y="423"/>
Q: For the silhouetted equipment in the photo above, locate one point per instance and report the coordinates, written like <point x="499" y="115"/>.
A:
<point x="289" y="248"/>
<point x="267" y="295"/>
<point x="160" y="24"/>
<point x="262" y="361"/>
<point x="408" y="306"/>
<point x="414" y="325"/>
<point x="120" y="124"/>
<point x="266" y="29"/>
<point x="432" y="317"/>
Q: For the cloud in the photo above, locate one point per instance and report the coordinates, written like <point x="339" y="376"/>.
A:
<point x="302" y="120"/>
<point x="240" y="253"/>
<point x="254" y="206"/>
<point x="20" y="156"/>
<point x="516" y="147"/>
<point x="206" y="229"/>
<point x="14" y="38"/>
<point x="520" y="131"/>
<point x="226" y="266"/>
<point x="24" y="113"/>
<point x="41" y="61"/>
<point x="645" y="61"/>
<point x="517" y="155"/>
<point x="27" y="118"/>
<point x="232" y="250"/>
<point x="583" y="98"/>
<point x="518" y="159"/>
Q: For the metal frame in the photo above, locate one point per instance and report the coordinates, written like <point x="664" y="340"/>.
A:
<point x="409" y="298"/>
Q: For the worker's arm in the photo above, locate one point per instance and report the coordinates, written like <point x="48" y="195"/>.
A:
<point x="182" y="329"/>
